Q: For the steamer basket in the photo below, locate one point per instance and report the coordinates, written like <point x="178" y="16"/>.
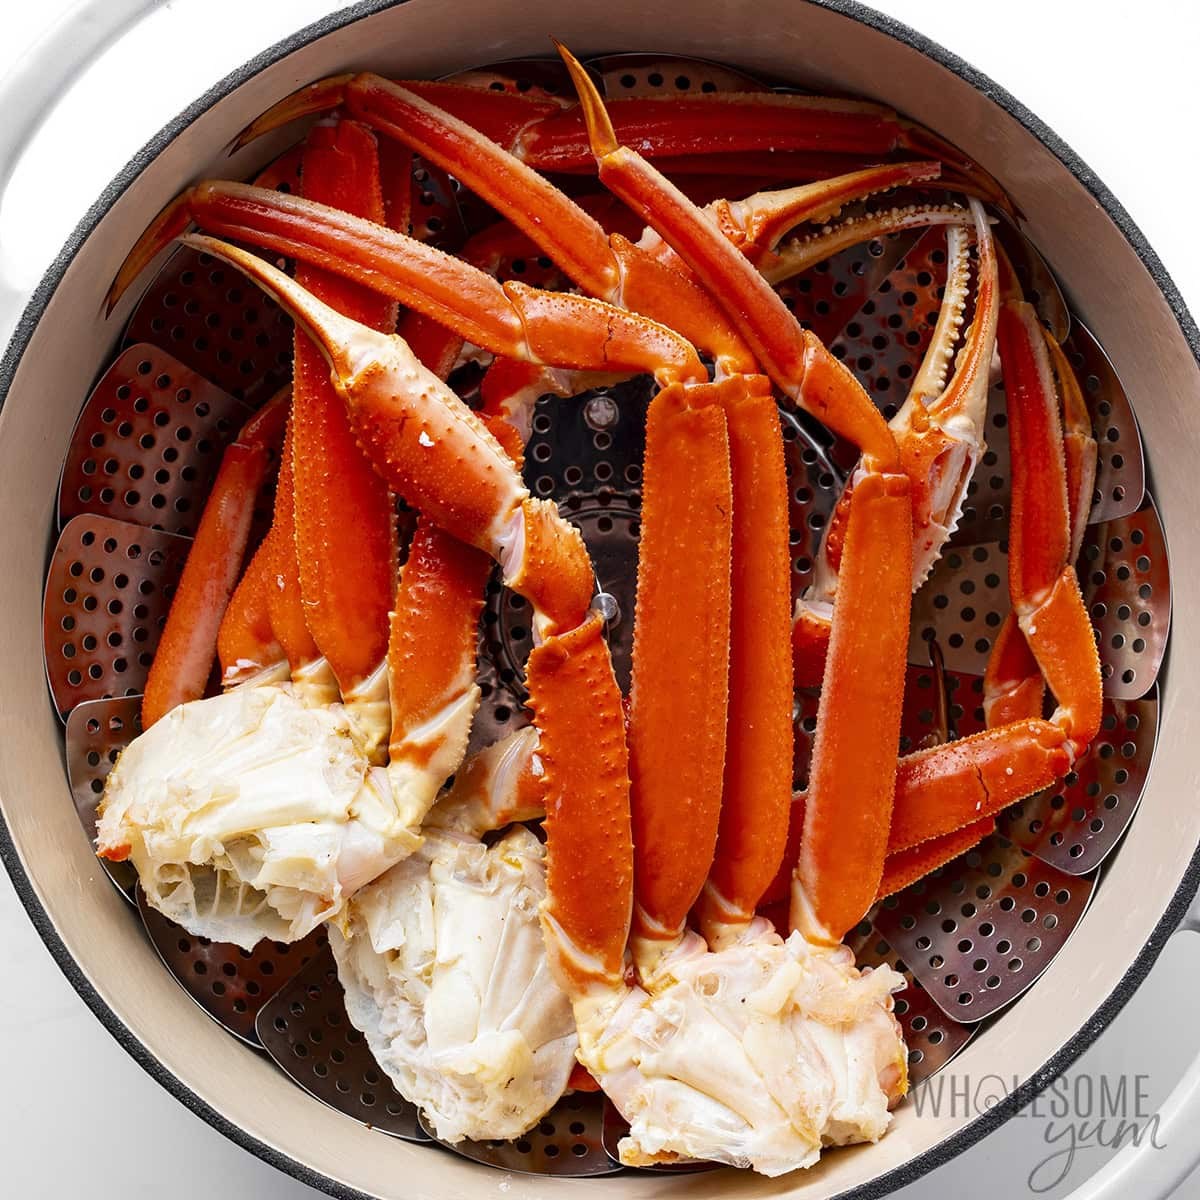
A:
<point x="1116" y="925"/>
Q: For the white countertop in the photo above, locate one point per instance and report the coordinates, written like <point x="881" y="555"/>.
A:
<point x="1117" y="81"/>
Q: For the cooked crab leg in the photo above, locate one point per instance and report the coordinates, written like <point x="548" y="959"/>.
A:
<point x="188" y="644"/>
<point x="1013" y="683"/>
<point x="250" y="648"/>
<point x="758" y="748"/>
<point x="693" y="133"/>
<point x="1045" y="589"/>
<point x="668" y="570"/>
<point x="247" y="648"/>
<point x="439" y="347"/>
<point x="905" y="867"/>
<point x="679" y="697"/>
<point x="682" y="519"/>
<point x="577" y="235"/>
<point x="932" y="455"/>
<point x="431" y="664"/>
<point x="344" y="523"/>
<point x="945" y="790"/>
<point x="311" y="673"/>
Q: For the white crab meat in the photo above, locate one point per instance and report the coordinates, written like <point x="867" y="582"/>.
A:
<point x="251" y="815"/>
<point x="757" y="1055"/>
<point x="445" y="974"/>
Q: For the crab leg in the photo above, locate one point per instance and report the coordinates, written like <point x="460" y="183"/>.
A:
<point x="946" y="788"/>
<point x="907" y="866"/>
<point x="1013" y="686"/>
<point x="264" y="635"/>
<point x="433" y="694"/>
<point x="574" y="238"/>
<point x="694" y="133"/>
<point x="577" y="709"/>
<point x="900" y="868"/>
<point x="510" y="319"/>
<point x="247" y="648"/>
<point x="758" y="749"/>
<point x="344" y="526"/>
<point x="680" y="652"/>
<point x="827" y="898"/>
<point x="439" y="347"/>
<point x="611" y="268"/>
<point x="672" y="558"/>
<point x="311" y="673"/>
<point x="1045" y="589"/>
<point x="189" y="640"/>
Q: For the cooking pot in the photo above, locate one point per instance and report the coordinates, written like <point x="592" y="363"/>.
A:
<point x="1111" y="278"/>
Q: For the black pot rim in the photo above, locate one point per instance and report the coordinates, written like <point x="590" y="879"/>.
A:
<point x="974" y="1130"/>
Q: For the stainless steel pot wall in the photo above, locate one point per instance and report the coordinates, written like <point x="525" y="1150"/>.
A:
<point x="1112" y="281"/>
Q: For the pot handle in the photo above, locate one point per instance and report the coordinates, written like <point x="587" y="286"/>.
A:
<point x="29" y="91"/>
<point x="1164" y="1152"/>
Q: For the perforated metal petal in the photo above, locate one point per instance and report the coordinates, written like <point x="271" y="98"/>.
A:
<point x="827" y="298"/>
<point x="438" y="216"/>
<point x="304" y="1028"/>
<point x="148" y="443"/>
<point x="668" y="74"/>
<point x="1127" y="588"/>
<point x="568" y="1140"/>
<point x="1077" y="824"/>
<point x="813" y="490"/>
<point x="963" y="603"/>
<point x="229" y="983"/>
<point x="107" y="594"/>
<point x="1037" y="281"/>
<point x="586" y="453"/>
<point x="932" y="1038"/>
<point x="218" y="324"/>
<point x="97" y="732"/>
<point x="885" y="340"/>
<point x="282" y="174"/>
<point x="534" y="77"/>
<point x="1120" y="463"/>
<point x="979" y="931"/>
